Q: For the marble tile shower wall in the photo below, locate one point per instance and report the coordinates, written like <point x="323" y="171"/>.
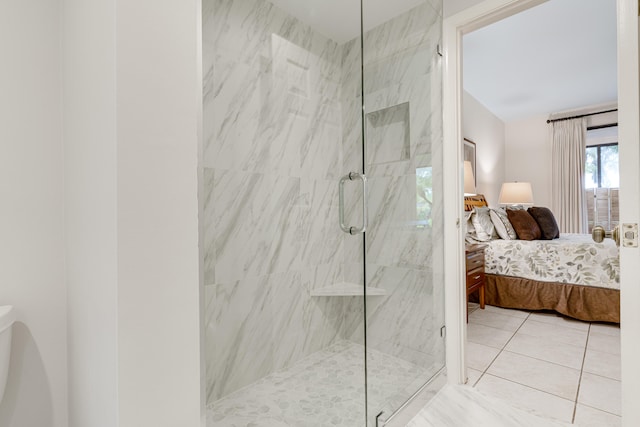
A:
<point x="403" y="98"/>
<point x="272" y="157"/>
<point x="282" y="122"/>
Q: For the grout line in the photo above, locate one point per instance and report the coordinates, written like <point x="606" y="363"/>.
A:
<point x="532" y="388"/>
<point x="501" y="350"/>
<point x="584" y="356"/>
<point x="601" y="410"/>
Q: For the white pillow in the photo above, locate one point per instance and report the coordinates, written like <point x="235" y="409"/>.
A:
<point x="502" y="224"/>
<point x="485" y="230"/>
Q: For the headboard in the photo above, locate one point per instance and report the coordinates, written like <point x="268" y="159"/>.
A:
<point x="471" y="202"/>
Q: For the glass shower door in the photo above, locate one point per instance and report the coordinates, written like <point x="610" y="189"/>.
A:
<point x="402" y="123"/>
<point x="299" y="158"/>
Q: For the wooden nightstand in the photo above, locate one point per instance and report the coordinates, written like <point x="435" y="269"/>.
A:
<point x="475" y="273"/>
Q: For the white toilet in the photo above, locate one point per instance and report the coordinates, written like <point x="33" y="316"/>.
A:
<point x="7" y="317"/>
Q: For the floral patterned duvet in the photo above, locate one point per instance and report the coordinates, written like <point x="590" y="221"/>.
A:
<point x="573" y="258"/>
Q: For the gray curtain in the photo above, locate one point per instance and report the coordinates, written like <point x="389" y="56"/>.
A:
<point x="568" y="161"/>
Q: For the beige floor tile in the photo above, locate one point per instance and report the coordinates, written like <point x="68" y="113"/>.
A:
<point x="590" y="417"/>
<point x="522" y="314"/>
<point x="604" y="342"/>
<point x="545" y="349"/>
<point x="495" y="320"/>
<point x="606" y="328"/>
<point x="487" y="335"/>
<point x="539" y="374"/>
<point x="473" y="375"/>
<point x="557" y="319"/>
<point x="603" y="364"/>
<point x="600" y="393"/>
<point x="480" y="356"/>
<point x="554" y="332"/>
<point x="529" y="399"/>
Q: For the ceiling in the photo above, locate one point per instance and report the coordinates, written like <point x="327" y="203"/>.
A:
<point x="339" y="20"/>
<point x="558" y="56"/>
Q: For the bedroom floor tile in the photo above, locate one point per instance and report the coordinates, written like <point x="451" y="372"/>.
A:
<point x="539" y="374"/>
<point x="549" y="364"/>
<point x="527" y="398"/>
<point x="556" y="319"/>
<point x="544" y="349"/>
<point x="606" y="329"/>
<point x="603" y="364"/>
<point x="480" y="356"/>
<point x="523" y="314"/>
<point x="555" y="333"/>
<point x="590" y="417"/>
<point x="496" y="320"/>
<point x="486" y="335"/>
<point x="473" y="375"/>
<point x="601" y="393"/>
<point x="604" y="343"/>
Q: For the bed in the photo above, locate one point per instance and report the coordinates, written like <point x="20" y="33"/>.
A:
<point x="572" y="275"/>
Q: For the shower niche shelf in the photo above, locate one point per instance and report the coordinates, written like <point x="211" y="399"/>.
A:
<point x="346" y="290"/>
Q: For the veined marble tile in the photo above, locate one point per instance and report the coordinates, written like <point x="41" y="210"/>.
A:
<point x="457" y="406"/>
<point x="255" y="225"/>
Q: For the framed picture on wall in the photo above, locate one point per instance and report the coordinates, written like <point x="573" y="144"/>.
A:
<point x="469" y="154"/>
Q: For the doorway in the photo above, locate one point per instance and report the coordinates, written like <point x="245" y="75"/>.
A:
<point x="492" y="11"/>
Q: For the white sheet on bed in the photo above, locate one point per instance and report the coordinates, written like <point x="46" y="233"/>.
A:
<point x="573" y="258"/>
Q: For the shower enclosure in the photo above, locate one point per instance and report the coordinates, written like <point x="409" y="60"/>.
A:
<point x="323" y="225"/>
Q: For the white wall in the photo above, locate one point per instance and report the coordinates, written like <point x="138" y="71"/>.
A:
<point x="528" y="156"/>
<point x="488" y="132"/>
<point x="159" y="104"/>
<point x="528" y="150"/>
<point x="31" y="223"/>
<point x="90" y="210"/>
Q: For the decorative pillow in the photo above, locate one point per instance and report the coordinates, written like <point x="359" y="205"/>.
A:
<point x="526" y="227"/>
<point x="503" y="226"/>
<point x="546" y="221"/>
<point x="485" y="230"/>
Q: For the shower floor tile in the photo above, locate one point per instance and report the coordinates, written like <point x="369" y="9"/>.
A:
<point x="326" y="388"/>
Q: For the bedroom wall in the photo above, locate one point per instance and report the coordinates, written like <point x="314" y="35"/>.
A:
<point x="528" y="156"/>
<point x="528" y="149"/>
<point x="488" y="132"/>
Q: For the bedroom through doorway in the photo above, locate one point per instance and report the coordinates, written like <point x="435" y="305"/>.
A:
<point x="553" y="60"/>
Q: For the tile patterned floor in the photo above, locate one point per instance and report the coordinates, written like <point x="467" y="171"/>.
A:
<point x="326" y="388"/>
<point x="546" y="364"/>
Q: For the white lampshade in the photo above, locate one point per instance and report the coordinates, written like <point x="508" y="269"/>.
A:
<point x="516" y="193"/>
<point x="469" y="180"/>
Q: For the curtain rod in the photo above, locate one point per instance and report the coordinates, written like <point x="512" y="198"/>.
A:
<point x="581" y="115"/>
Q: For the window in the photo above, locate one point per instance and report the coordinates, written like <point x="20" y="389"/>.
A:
<point x="601" y="170"/>
<point x="602" y="178"/>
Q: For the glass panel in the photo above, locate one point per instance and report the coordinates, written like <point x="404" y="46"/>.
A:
<point x="609" y="165"/>
<point x="281" y="126"/>
<point x="404" y="241"/>
<point x="591" y="168"/>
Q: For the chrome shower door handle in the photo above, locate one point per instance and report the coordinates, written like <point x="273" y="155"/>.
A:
<point x="352" y="176"/>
